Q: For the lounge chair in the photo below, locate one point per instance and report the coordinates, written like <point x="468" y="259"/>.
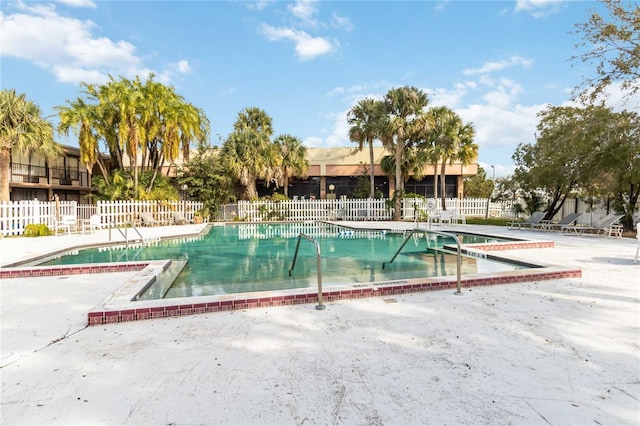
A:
<point x="604" y="225"/>
<point x="534" y="219"/>
<point x="66" y="222"/>
<point x="147" y="219"/>
<point x="179" y="219"/>
<point x="94" y="222"/>
<point x="444" y="217"/>
<point x="568" y="220"/>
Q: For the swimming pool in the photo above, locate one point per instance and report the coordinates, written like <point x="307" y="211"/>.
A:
<point x="248" y="258"/>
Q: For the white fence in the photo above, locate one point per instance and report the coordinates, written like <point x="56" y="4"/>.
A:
<point x="297" y="210"/>
<point x="124" y="212"/>
<point x="15" y="216"/>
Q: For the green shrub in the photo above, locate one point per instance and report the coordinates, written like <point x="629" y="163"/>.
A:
<point x="37" y="230"/>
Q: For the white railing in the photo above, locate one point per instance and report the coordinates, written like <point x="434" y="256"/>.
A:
<point x="466" y="207"/>
<point x="297" y="210"/>
<point x="120" y="213"/>
<point x="15" y="216"/>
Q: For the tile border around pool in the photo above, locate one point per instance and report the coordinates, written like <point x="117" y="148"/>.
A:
<point x="119" y="307"/>
<point x="142" y="310"/>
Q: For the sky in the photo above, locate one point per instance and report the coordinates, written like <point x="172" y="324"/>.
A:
<point x="307" y="63"/>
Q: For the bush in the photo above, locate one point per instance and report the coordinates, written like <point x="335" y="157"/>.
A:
<point x="37" y="230"/>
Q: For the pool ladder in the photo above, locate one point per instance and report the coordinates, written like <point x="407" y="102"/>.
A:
<point x="446" y="234"/>
<point x="124" y="234"/>
<point x="319" y="306"/>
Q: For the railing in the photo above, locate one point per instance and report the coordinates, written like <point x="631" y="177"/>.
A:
<point x="125" y="233"/>
<point x="16" y="215"/>
<point x="319" y="306"/>
<point x="446" y="234"/>
<point x="29" y="173"/>
<point x="123" y="212"/>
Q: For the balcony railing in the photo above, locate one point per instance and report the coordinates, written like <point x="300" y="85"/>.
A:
<point x="27" y="173"/>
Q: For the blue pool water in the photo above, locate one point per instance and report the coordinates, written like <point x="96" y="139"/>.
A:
<point x="257" y="257"/>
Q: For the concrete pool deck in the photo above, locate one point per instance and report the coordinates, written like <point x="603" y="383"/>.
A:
<point x="551" y="352"/>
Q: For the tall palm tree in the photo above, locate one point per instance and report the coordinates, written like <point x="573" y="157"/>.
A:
<point x="81" y="117"/>
<point x="23" y="130"/>
<point x="294" y="159"/>
<point x="450" y="140"/>
<point x="248" y="152"/>
<point x="403" y="107"/>
<point x="364" y="119"/>
<point x="135" y="119"/>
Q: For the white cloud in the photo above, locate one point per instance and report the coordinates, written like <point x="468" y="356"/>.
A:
<point x="78" y="3"/>
<point x="75" y="74"/>
<point x="338" y="21"/>
<point x="492" y="66"/>
<point x="538" y="8"/>
<point x="69" y="48"/>
<point x="307" y="47"/>
<point x="303" y="9"/>
<point x="312" y="142"/>
<point x="183" y="67"/>
<point x="340" y="134"/>
<point x="257" y="5"/>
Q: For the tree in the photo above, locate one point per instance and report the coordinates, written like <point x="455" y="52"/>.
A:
<point x="614" y="44"/>
<point x="621" y="164"/>
<point x="364" y="121"/>
<point x="22" y="130"/>
<point x="478" y="186"/>
<point x="449" y="140"/>
<point x="146" y="122"/>
<point x="566" y="156"/>
<point x="294" y="160"/>
<point x="206" y="179"/>
<point x="248" y="152"/>
<point x="403" y="107"/>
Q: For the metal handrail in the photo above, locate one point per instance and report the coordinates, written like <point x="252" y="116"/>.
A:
<point x="124" y="235"/>
<point x="447" y="234"/>
<point x="319" y="306"/>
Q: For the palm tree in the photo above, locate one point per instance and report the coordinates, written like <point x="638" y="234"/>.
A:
<point x="135" y="119"/>
<point x="450" y="140"/>
<point x="23" y="130"/>
<point x="248" y="152"/>
<point x="81" y="117"/>
<point x="404" y="108"/>
<point x="364" y="119"/>
<point x="294" y="159"/>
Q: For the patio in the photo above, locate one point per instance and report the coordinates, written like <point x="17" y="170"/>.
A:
<point x="559" y="352"/>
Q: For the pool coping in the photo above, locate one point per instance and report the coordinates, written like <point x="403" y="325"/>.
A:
<point x="121" y="305"/>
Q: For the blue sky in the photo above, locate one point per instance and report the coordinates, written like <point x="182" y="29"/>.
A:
<point x="307" y="63"/>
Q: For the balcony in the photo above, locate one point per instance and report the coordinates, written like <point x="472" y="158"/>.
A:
<point x="27" y="173"/>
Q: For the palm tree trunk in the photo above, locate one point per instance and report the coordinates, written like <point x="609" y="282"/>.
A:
<point x="443" y="189"/>
<point x="435" y="181"/>
<point x="399" y="192"/>
<point x="5" y="158"/>
<point x="286" y="185"/>
<point x="250" y="189"/>
<point x="372" y="191"/>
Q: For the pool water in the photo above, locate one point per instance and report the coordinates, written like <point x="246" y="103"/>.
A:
<point x="257" y="257"/>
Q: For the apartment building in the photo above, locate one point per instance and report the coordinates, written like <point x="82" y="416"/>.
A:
<point x="32" y="177"/>
<point x="334" y="172"/>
